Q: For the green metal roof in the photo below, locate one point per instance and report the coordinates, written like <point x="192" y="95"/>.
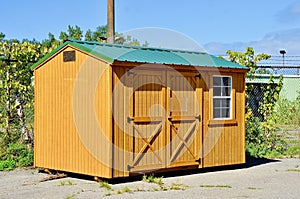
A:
<point x="115" y="52"/>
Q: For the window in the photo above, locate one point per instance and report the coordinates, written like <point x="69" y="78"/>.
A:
<point x="222" y="97"/>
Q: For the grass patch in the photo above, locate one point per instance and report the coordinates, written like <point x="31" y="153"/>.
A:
<point x="216" y="186"/>
<point x="105" y="185"/>
<point x="292" y="170"/>
<point x="254" y="188"/>
<point x="127" y="190"/>
<point x="152" y="179"/>
<point x="66" y="183"/>
<point x="180" y="186"/>
<point x="149" y="179"/>
<point x="293" y="149"/>
<point x="70" y="197"/>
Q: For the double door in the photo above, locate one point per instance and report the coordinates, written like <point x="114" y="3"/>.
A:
<point x="165" y="118"/>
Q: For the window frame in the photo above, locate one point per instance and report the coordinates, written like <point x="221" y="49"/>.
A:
<point x="231" y="97"/>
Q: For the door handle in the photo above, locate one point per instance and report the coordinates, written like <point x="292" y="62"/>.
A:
<point x="198" y="117"/>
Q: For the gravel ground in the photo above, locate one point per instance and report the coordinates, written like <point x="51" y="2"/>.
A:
<point x="256" y="179"/>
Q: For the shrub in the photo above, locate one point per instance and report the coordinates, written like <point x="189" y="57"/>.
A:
<point x="16" y="155"/>
<point x="288" y="112"/>
<point x="7" y="165"/>
<point x="262" y="139"/>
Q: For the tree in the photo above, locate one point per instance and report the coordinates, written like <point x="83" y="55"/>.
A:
<point x="2" y="36"/>
<point x="72" y="33"/>
<point x="261" y="137"/>
<point x="16" y="87"/>
<point x="248" y="58"/>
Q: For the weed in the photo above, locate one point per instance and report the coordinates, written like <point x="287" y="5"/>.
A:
<point x="156" y="189"/>
<point x="292" y="170"/>
<point x="294" y="148"/>
<point x="119" y="192"/>
<point x="253" y="188"/>
<point x="180" y="186"/>
<point x="71" y="196"/>
<point x="107" y="194"/>
<point x="66" y="183"/>
<point x="216" y="186"/>
<point x="127" y="190"/>
<point x="152" y="179"/>
<point x="105" y="185"/>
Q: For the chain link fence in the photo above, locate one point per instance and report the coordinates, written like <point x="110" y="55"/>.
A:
<point x="258" y="85"/>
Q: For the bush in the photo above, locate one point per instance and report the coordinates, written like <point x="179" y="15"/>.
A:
<point x="16" y="155"/>
<point x="262" y="139"/>
<point x="7" y="165"/>
<point x="288" y="112"/>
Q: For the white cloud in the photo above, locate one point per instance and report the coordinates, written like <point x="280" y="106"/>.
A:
<point x="271" y="44"/>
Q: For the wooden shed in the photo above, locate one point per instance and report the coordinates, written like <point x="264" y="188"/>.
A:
<point x="112" y="110"/>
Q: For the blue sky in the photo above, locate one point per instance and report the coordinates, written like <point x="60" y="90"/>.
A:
<point x="216" y="25"/>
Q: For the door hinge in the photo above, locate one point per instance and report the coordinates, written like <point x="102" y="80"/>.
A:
<point x="198" y="117"/>
<point x="129" y="119"/>
<point x="198" y="75"/>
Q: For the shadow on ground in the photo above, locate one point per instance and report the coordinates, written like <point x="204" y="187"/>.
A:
<point x="250" y="162"/>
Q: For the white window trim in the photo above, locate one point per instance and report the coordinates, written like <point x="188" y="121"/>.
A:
<point x="223" y="97"/>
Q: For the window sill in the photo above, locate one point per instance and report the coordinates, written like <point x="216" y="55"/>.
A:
<point x="231" y="122"/>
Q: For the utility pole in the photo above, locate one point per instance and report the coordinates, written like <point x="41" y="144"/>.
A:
<point x="111" y="21"/>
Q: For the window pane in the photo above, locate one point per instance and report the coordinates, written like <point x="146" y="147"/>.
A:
<point x="226" y="81"/>
<point x="217" y="103"/>
<point x="217" y="113"/>
<point x="222" y="97"/>
<point x="217" y="81"/>
<point x="227" y="103"/>
<point x="226" y="91"/>
<point x="217" y="91"/>
<point x="225" y="113"/>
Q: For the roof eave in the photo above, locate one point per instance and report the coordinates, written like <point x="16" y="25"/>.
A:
<point x="64" y="45"/>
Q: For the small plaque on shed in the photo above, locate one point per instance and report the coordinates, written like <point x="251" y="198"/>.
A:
<point x="69" y="56"/>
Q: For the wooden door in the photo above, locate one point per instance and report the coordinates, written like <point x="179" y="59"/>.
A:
<point x="165" y="120"/>
<point x="147" y="118"/>
<point x="185" y="125"/>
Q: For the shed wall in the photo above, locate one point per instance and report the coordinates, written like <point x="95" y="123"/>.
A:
<point x="226" y="136"/>
<point x="61" y="142"/>
<point x="210" y="143"/>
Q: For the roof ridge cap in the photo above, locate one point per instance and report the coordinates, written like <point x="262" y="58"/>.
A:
<point x="136" y="47"/>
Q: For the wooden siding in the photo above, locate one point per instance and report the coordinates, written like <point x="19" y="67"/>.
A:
<point x="157" y="119"/>
<point x="226" y="136"/>
<point x="58" y="145"/>
<point x="101" y="120"/>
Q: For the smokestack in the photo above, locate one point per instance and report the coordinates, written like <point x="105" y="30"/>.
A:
<point x="111" y="21"/>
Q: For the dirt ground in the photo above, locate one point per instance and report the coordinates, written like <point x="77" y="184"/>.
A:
<point x="259" y="178"/>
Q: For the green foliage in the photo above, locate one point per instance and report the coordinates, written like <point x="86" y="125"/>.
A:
<point x="72" y="33"/>
<point x="7" y="165"/>
<point x="66" y="183"/>
<point x="178" y="186"/>
<point x="288" y="112"/>
<point x="15" y="155"/>
<point x="1" y="36"/>
<point x="248" y="58"/>
<point x="271" y="96"/>
<point x="153" y="179"/>
<point x="216" y="186"/>
<point x="293" y="149"/>
<point x="262" y="139"/>
<point x="105" y="185"/>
